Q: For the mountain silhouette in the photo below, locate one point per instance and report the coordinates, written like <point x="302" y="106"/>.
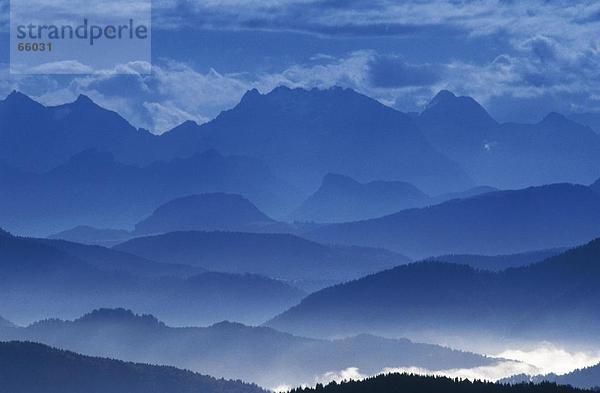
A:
<point x="85" y="234"/>
<point x="43" y="278"/>
<point x="233" y="350"/>
<point x="95" y="190"/>
<point x="275" y="255"/>
<point x="304" y="134"/>
<point x="341" y="199"/>
<point x="590" y="119"/>
<point x="38" y="138"/>
<point x="301" y="134"/>
<point x="397" y="383"/>
<point x="585" y="378"/>
<point x="110" y="260"/>
<point x="503" y="222"/>
<point x="547" y="300"/>
<point x="35" y="368"/>
<point x="510" y="155"/>
<point x="500" y="262"/>
<point x="215" y="211"/>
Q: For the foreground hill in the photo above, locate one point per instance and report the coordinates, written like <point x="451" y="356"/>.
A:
<point x="208" y="212"/>
<point x="341" y="199"/>
<point x="93" y="189"/>
<point x="399" y="383"/>
<point x="275" y="255"/>
<point x="35" y="368"/>
<point x="236" y="351"/>
<point x="554" y="299"/>
<point x="38" y="280"/>
<point x="503" y="222"/>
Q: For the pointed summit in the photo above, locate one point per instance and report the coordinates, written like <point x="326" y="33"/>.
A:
<point x="82" y="99"/>
<point x="446" y="108"/>
<point x="555" y="118"/>
<point x="17" y="98"/>
<point x="444" y="96"/>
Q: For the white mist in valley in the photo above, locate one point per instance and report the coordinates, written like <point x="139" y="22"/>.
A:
<point x="546" y="358"/>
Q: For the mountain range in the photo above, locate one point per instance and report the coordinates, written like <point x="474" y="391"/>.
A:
<point x="35" y="368"/>
<point x="586" y="378"/>
<point x="502" y="222"/>
<point x="232" y="350"/>
<point x="43" y="278"/>
<point x="95" y="190"/>
<point x="209" y="212"/>
<point x="510" y="155"/>
<point x="79" y="164"/>
<point x="342" y="199"/>
<point x="86" y="234"/>
<point x="556" y="299"/>
<point x="281" y="256"/>
<point x="499" y="262"/>
<point x="304" y="134"/>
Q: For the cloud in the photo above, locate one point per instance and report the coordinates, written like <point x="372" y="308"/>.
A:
<point x="543" y="359"/>
<point x="391" y="71"/>
<point x="549" y="358"/>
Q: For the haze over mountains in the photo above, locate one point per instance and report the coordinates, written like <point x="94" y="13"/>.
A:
<point x="554" y="299"/>
<point x="291" y="192"/>
<point x="586" y="378"/>
<point x="209" y="212"/>
<point x="503" y="222"/>
<point x="341" y="199"/>
<point x="39" y="280"/>
<point x="280" y="256"/>
<point x="510" y="155"/>
<point x="94" y="189"/>
<point x="79" y="164"/>
<point x="233" y="350"/>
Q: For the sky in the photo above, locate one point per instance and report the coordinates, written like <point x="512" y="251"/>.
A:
<point x="520" y="59"/>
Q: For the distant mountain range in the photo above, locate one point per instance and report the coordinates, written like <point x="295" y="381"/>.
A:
<point x="233" y="350"/>
<point x="586" y="378"/>
<point x="95" y="190"/>
<point x="553" y="299"/>
<point x="86" y="234"/>
<point x="42" y="278"/>
<point x="36" y="368"/>
<point x="510" y="155"/>
<point x="280" y="256"/>
<point x="110" y="260"/>
<point x="304" y="134"/>
<point x="341" y="199"/>
<point x="79" y="164"/>
<point x="209" y="212"/>
<point x="502" y="222"/>
<point x="500" y="262"/>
